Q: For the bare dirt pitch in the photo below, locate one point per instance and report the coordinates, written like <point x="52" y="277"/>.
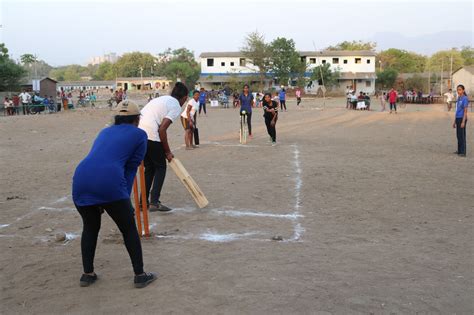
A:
<point x="374" y="213"/>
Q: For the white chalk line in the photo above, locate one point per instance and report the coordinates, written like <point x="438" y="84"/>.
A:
<point x="298" y="228"/>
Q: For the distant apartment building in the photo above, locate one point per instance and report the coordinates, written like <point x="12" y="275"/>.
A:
<point x="111" y="57"/>
<point x="357" y="69"/>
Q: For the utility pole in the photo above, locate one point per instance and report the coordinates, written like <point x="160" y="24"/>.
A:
<point x="451" y="72"/>
<point x="441" y="80"/>
<point x="141" y="76"/>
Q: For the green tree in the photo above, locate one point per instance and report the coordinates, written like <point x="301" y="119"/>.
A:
<point x="324" y="75"/>
<point x="69" y="73"/>
<point x="442" y="59"/>
<point x="416" y="82"/>
<point x="179" y="64"/>
<point x="257" y="52"/>
<point x="105" y="71"/>
<point x="285" y="60"/>
<point x="386" y="78"/>
<point x="401" y="60"/>
<point x="353" y="45"/>
<point x="467" y="53"/>
<point x="130" y="64"/>
<point x="10" y="72"/>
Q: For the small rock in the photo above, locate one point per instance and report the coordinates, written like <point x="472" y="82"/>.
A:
<point x="277" y="238"/>
<point x="60" y="237"/>
<point x="48" y="230"/>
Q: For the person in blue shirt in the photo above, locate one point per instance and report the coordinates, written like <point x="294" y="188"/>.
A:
<point x="460" y="119"/>
<point x="246" y="104"/>
<point x="282" y="96"/>
<point x="202" y="101"/>
<point x="103" y="180"/>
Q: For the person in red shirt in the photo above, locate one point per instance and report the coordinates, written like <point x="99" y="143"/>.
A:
<point x="16" y="103"/>
<point x="392" y="98"/>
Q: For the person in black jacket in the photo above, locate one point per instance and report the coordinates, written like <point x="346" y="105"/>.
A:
<point x="270" y="113"/>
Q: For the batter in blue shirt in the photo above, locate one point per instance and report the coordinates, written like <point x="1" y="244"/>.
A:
<point x="246" y="104"/>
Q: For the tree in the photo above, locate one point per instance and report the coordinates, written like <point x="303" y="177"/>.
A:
<point x="353" y="45"/>
<point x="442" y="59"/>
<point x="129" y="64"/>
<point x="401" y="60"/>
<point x="386" y="78"/>
<point x="257" y="52"/>
<point x="10" y="72"/>
<point x="105" y="71"/>
<point x="467" y="53"/>
<point x="179" y="64"/>
<point x="325" y="76"/>
<point x="69" y="73"/>
<point x="416" y="82"/>
<point x="285" y="60"/>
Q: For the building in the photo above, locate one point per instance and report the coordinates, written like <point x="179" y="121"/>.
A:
<point x="43" y="86"/>
<point x="85" y="85"/>
<point x="357" y="69"/>
<point x="111" y="57"/>
<point x="464" y="76"/>
<point x="145" y="83"/>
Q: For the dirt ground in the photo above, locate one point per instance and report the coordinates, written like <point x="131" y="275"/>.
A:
<point x="374" y="213"/>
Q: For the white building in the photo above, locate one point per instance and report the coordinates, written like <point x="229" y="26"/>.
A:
<point x="464" y="76"/>
<point x="111" y="57"/>
<point x="357" y="69"/>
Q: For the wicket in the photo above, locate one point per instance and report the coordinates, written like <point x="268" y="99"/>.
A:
<point x="141" y="206"/>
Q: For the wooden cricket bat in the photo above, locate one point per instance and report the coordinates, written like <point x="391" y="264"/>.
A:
<point x="189" y="183"/>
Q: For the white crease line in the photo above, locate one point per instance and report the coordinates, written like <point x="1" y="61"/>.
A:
<point x="235" y="213"/>
<point x="60" y="200"/>
<point x="4" y="225"/>
<point x="298" y="229"/>
<point x="57" y="209"/>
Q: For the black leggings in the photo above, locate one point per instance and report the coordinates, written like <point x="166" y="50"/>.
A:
<point x="270" y="129"/>
<point x="122" y="213"/>
<point x="393" y="106"/>
<point x="461" y="135"/>
<point x="249" y="121"/>
<point x="201" y="107"/>
<point x="155" y="171"/>
<point x="282" y="104"/>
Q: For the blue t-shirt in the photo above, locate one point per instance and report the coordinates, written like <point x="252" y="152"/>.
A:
<point x="108" y="171"/>
<point x="202" y="97"/>
<point x="246" y="102"/>
<point x="282" y="95"/>
<point x="462" y="102"/>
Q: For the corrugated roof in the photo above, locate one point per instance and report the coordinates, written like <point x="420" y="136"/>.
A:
<point x="323" y="53"/>
<point x="90" y="83"/>
<point x="140" y="78"/>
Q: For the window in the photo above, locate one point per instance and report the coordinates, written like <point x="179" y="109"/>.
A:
<point x="320" y="82"/>
<point x="345" y="61"/>
<point x="222" y="64"/>
<point x="323" y="61"/>
<point x="312" y="60"/>
<point x="242" y="62"/>
<point x="368" y="61"/>
<point x="210" y="62"/>
<point x="368" y="83"/>
<point x="231" y="63"/>
<point x="358" y="60"/>
<point x="335" y="61"/>
<point x="303" y="59"/>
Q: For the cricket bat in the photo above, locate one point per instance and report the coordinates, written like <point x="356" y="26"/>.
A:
<point x="196" y="136"/>
<point x="189" y="183"/>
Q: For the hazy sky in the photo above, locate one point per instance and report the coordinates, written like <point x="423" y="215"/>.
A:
<point x="63" y="32"/>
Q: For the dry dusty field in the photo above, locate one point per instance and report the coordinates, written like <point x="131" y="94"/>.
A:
<point x="374" y="211"/>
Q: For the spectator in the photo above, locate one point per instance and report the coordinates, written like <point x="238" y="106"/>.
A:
<point x="449" y="99"/>
<point x="25" y="101"/>
<point x="392" y="98"/>
<point x="16" y="104"/>
<point x="8" y="104"/>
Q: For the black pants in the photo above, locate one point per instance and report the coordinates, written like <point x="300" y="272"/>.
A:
<point x="282" y="104"/>
<point x="298" y="101"/>
<point x="201" y="107"/>
<point x="270" y="129"/>
<point x="155" y="171"/>
<point x="249" y="121"/>
<point x="25" y="108"/>
<point x="461" y="135"/>
<point x="122" y="213"/>
<point x="394" y="106"/>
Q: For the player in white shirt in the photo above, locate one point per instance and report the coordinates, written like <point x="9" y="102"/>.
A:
<point x="187" y="120"/>
<point x="25" y="101"/>
<point x="155" y="119"/>
<point x="449" y="99"/>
